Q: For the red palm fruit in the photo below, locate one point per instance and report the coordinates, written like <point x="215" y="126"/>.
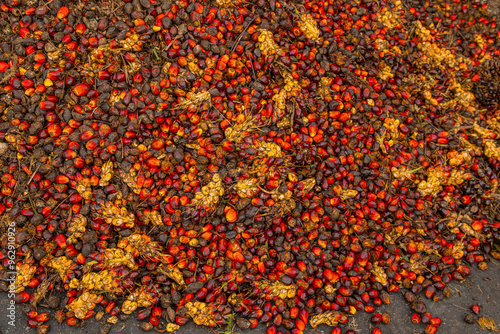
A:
<point x="369" y="309"/>
<point x="430" y="329"/>
<point x="238" y="257"/>
<point x="34" y="282"/>
<point x="40" y="58"/>
<point x="23" y="297"/>
<point x="4" y="66"/>
<point x="348" y="262"/>
<point x="435" y="321"/>
<point x="32" y="323"/>
<point x="62" y="179"/>
<point x="291" y="271"/>
<point x="42" y="317"/>
<point x="80" y="28"/>
<point x="430" y="291"/>
<point x="81" y="89"/>
<point x="104" y="75"/>
<point x="47" y="105"/>
<point x="376" y="318"/>
<point x="86" y="135"/>
<point x="386" y="318"/>
<point x="337" y="330"/>
<point x="72" y="321"/>
<point x="62" y="12"/>
<point x="60" y="240"/>
<point x="253" y="322"/>
<point x="54" y="130"/>
<point x="377" y="330"/>
<point x="80" y="258"/>
<point x="75" y="198"/>
<point x="304" y="315"/>
<point x="231" y="214"/>
<point x="415" y="318"/>
<point x="271" y="330"/>
<point x="477" y="225"/>
<point x="32" y="314"/>
<point x="300" y="324"/>
<point x="475" y="309"/>
<point x="109" y="307"/>
<point x="154" y="321"/>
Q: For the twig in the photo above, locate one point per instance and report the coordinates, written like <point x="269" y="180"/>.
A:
<point x="32" y="205"/>
<point x="241" y="35"/>
<point x="125" y="65"/>
<point x="60" y="203"/>
<point x="33" y="175"/>
<point x="156" y="54"/>
<point x="170" y="44"/>
<point x="253" y="69"/>
<point x="195" y="269"/>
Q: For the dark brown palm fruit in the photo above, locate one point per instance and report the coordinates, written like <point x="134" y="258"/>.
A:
<point x="470" y="318"/>
<point x="419" y="307"/>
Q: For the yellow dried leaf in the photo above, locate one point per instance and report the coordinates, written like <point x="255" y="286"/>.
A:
<point x="309" y="27"/>
<point x="379" y="273"/>
<point x="278" y="289"/>
<point x="267" y="45"/>
<point x="173" y="272"/>
<point x="130" y="180"/>
<point x="81" y="305"/>
<point x="247" y="188"/>
<point x="201" y="313"/>
<point x="114" y="257"/>
<point x="103" y="281"/>
<point x="106" y="173"/>
<point x="331" y="318"/>
<point x="84" y="189"/>
<point x="210" y="194"/>
<point x="487" y="323"/>
<point x="116" y="216"/>
<point x="62" y="264"/>
<point x="25" y="273"/>
<point x="76" y="228"/>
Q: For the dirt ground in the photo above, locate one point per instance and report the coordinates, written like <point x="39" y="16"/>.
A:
<point x="495" y="7"/>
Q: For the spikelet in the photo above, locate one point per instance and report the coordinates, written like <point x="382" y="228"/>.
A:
<point x="106" y="173"/>
<point x="210" y="194"/>
<point x="116" y="216"/>
<point x="309" y="27"/>
<point x="76" y="228"/>
<point x="83" y="304"/>
<point x="267" y="45"/>
<point x="201" y="313"/>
